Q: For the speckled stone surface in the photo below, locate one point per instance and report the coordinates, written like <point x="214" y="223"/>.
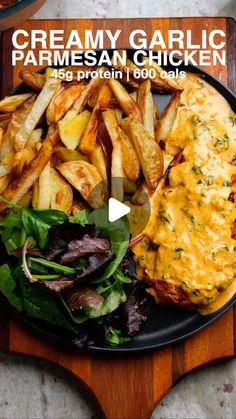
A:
<point x="33" y="389"/>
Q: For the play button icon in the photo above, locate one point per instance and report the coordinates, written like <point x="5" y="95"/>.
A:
<point x="116" y="210"/>
<point x="133" y="202"/>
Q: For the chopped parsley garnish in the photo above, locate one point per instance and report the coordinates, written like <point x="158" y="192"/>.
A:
<point x="222" y="142"/>
<point x="227" y="183"/>
<point x="196" y="120"/>
<point x="210" y="179"/>
<point x="197" y="170"/>
<point x="232" y="119"/>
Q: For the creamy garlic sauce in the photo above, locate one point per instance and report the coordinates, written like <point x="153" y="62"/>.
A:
<point x="188" y="238"/>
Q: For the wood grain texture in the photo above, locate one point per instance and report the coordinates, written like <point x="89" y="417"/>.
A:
<point x="127" y="387"/>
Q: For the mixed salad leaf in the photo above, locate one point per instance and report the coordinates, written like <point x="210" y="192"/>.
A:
<point x="67" y="271"/>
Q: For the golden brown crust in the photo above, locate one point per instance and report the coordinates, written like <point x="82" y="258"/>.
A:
<point x="170" y="294"/>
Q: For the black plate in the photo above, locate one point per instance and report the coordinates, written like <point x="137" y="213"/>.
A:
<point x="165" y="325"/>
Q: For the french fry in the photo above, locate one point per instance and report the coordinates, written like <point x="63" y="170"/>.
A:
<point x="148" y="151"/>
<point x="86" y="179"/>
<point x="72" y="130"/>
<point x="19" y="187"/>
<point x="63" y="101"/>
<point x="32" y="118"/>
<point x="44" y="188"/>
<point x="131" y="164"/>
<point x="129" y="106"/>
<point x="34" y="80"/>
<point x="61" y="193"/>
<point x="117" y="172"/>
<point x="98" y="160"/>
<point x="88" y="141"/>
<point x="166" y="120"/>
<point x="11" y="103"/>
<point x="146" y="104"/>
<point x="92" y="86"/>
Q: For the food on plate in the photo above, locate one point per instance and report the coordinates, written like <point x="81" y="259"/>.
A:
<point x="65" y="148"/>
<point x="188" y="254"/>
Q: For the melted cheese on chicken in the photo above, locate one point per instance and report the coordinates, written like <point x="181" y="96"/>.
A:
<point x="188" y="241"/>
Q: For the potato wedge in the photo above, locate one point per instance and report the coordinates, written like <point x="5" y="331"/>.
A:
<point x="1" y="135"/>
<point x="148" y="151"/>
<point x="20" y="186"/>
<point x="72" y="130"/>
<point x="88" y="141"/>
<point x="129" y="106"/>
<point x="112" y="127"/>
<point x="5" y="119"/>
<point x="86" y="179"/>
<point x="44" y="188"/>
<point x="4" y="182"/>
<point x="14" y="126"/>
<point x="35" y="196"/>
<point x="131" y="164"/>
<point x="117" y="173"/>
<point x="166" y="120"/>
<point x="34" y="80"/>
<point x="162" y="84"/>
<point x="64" y="155"/>
<point x="92" y="86"/>
<point x="26" y="200"/>
<point x="21" y="159"/>
<point x="32" y="118"/>
<point x="63" y="101"/>
<point x="146" y="104"/>
<point x="35" y="138"/>
<point x="61" y="193"/>
<point x="11" y="103"/>
<point x="98" y="160"/>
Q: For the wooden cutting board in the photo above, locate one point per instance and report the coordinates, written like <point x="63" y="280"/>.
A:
<point x="127" y="387"/>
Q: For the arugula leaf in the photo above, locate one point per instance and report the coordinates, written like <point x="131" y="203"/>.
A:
<point x="8" y="286"/>
<point x="118" y="233"/>
<point x="40" y="303"/>
<point x="81" y="217"/>
<point x="38" y="222"/>
<point x="114" y="337"/>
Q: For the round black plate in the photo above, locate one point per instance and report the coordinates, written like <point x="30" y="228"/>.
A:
<point x="165" y="325"/>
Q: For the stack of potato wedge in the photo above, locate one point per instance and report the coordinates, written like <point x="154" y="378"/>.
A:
<point x="61" y="139"/>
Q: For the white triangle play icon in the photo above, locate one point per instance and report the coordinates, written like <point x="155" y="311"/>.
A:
<point x="116" y="210"/>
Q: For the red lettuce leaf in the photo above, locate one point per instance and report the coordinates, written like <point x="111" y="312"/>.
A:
<point x="86" y="245"/>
